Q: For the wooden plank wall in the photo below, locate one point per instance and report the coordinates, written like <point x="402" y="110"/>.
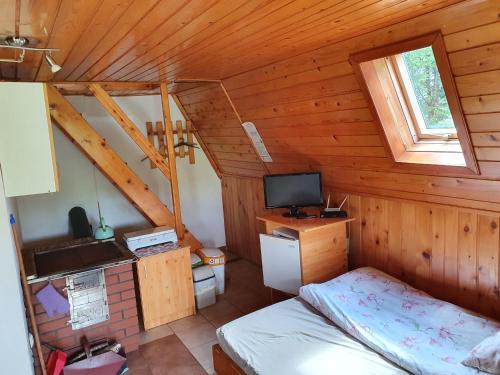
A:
<point x="449" y="252"/>
<point x="243" y="200"/>
<point x="310" y="112"/>
<point x="218" y="126"/>
<point x="312" y="116"/>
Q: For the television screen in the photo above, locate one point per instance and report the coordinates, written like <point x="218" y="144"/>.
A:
<point x="293" y="190"/>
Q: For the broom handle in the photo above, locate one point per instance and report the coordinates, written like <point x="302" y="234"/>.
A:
<point x="27" y="296"/>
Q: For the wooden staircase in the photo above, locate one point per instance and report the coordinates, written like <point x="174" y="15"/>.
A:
<point x="83" y="135"/>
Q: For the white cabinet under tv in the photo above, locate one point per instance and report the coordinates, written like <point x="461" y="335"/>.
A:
<point x="317" y="253"/>
<point x="281" y="263"/>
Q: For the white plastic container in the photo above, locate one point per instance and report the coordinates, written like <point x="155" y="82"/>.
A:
<point x="216" y="259"/>
<point x="204" y="286"/>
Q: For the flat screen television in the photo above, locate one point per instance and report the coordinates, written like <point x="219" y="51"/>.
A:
<point x="293" y="191"/>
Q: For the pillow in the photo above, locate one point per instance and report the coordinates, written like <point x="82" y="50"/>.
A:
<point x="485" y="356"/>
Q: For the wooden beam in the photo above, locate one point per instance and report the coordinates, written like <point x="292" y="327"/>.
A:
<point x="190" y="141"/>
<point x="126" y="124"/>
<point x="151" y="138"/>
<point x="113" y="88"/>
<point x="108" y="86"/>
<point x="99" y="152"/>
<point x="180" y="138"/>
<point x="179" y="227"/>
<point x="200" y="141"/>
<point x="161" y="139"/>
<point x="196" y="80"/>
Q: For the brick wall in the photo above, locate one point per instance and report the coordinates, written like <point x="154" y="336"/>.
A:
<point x="123" y="325"/>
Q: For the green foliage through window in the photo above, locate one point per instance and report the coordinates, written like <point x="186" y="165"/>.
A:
<point x="428" y="88"/>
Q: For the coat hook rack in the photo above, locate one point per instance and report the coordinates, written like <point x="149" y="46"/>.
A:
<point x="184" y="144"/>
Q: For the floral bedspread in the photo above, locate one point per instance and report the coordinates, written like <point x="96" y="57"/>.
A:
<point x="420" y="333"/>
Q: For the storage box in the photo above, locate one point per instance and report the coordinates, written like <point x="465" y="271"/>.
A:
<point x="204" y="286"/>
<point x="216" y="259"/>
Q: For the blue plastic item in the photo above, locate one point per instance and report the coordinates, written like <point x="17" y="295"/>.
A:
<point x="103" y="231"/>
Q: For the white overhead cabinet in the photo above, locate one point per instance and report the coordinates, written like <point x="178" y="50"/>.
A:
<point x="27" y="157"/>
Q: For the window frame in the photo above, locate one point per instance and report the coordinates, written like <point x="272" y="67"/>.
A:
<point x="410" y="146"/>
<point x="421" y="133"/>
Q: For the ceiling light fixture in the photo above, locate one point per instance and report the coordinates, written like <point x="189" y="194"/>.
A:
<point x="22" y="43"/>
<point x="54" y="68"/>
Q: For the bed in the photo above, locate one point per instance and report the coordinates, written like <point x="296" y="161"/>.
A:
<point x="291" y="337"/>
<point x="363" y="322"/>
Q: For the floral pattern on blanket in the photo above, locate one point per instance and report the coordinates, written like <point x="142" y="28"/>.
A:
<point x="420" y="333"/>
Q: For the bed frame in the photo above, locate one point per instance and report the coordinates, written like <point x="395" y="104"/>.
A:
<point x="223" y="365"/>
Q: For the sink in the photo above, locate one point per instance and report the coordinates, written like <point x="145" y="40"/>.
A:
<point x="58" y="262"/>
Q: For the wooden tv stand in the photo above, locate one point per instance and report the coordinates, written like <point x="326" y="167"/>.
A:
<point x="322" y="245"/>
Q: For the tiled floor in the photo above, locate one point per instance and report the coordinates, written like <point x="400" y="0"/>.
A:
<point x="161" y="352"/>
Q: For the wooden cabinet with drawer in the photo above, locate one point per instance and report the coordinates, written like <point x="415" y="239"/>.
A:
<point x="316" y="251"/>
<point x="166" y="287"/>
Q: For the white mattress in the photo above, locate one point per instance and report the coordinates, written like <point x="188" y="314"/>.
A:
<point x="292" y="338"/>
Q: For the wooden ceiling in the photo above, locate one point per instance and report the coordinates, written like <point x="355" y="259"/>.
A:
<point x="152" y="40"/>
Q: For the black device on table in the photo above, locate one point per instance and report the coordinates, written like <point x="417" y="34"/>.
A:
<point x="334" y="211"/>
<point x="293" y="191"/>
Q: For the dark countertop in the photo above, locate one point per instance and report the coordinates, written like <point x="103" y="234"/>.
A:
<point x="77" y="256"/>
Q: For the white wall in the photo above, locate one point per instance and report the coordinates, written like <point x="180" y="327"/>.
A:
<point x="15" y="353"/>
<point x="46" y="216"/>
